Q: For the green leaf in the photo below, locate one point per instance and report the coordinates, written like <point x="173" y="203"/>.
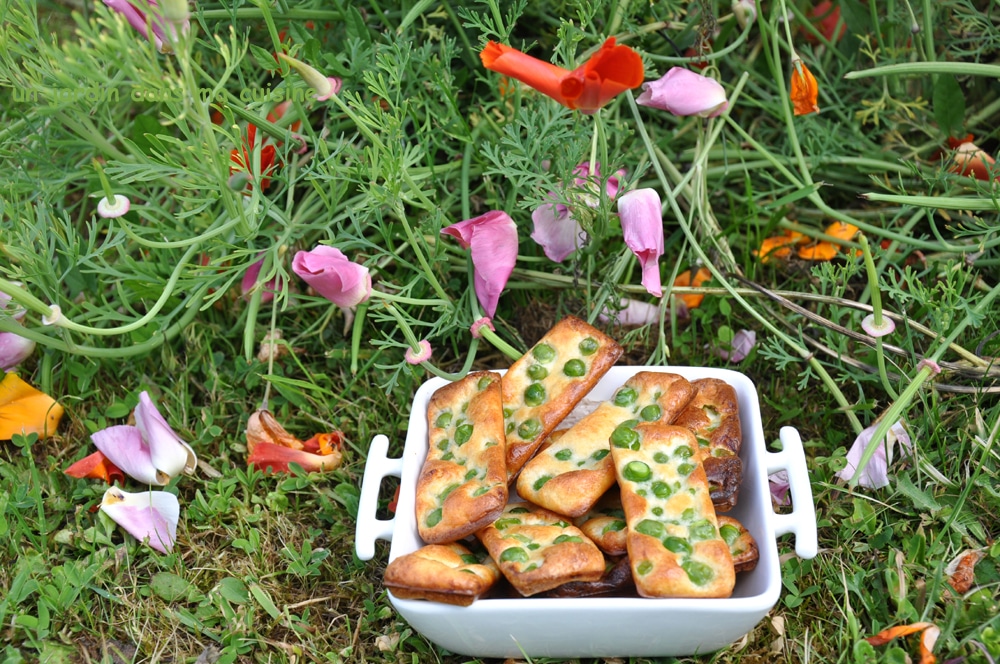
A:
<point x="920" y="499"/>
<point x="348" y="496"/>
<point x="264" y="59"/>
<point x="144" y="126"/>
<point x="168" y="587"/>
<point x="234" y="590"/>
<point x="117" y="410"/>
<point x="355" y="25"/>
<point x="264" y="600"/>
<point x="949" y="104"/>
<point x="725" y="308"/>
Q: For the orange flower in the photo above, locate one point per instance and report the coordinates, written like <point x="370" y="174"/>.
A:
<point x="24" y="410"/>
<point x="927" y="640"/>
<point x="805" y="90"/>
<point x="241" y="160"/>
<point x="271" y="448"/>
<point x="692" y="300"/>
<point x="98" y="467"/>
<point x="613" y="69"/>
<point x="972" y="160"/>
<point x="779" y="246"/>
<point x="825" y="16"/>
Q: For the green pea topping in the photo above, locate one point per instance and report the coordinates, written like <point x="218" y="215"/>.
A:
<point x="651" y="528"/>
<point x="636" y="471"/>
<point x="463" y="434"/>
<point x="688" y="514"/>
<point x="480" y="491"/>
<point x="699" y="573"/>
<point x="514" y="554"/>
<point x="534" y="395"/>
<point x="484" y="382"/>
<point x="448" y="489"/>
<point x="677" y="545"/>
<point x="703" y="442"/>
<point x="615" y="526"/>
<point x="566" y="538"/>
<point x="540" y="482"/>
<point x="660" y="457"/>
<point x="469" y="559"/>
<point x="714" y="418"/>
<point x="537" y="372"/>
<point x="501" y="524"/>
<point x="657" y="511"/>
<point x="518" y="510"/>
<point x="600" y="454"/>
<point x="509" y="428"/>
<point x="471" y="474"/>
<point x="434" y="518"/>
<point x="651" y="413"/>
<point x="564" y="454"/>
<point x="685" y="468"/>
<point x="702" y="530"/>
<point x="443" y="444"/>
<point x="575" y="368"/>
<point x="543" y="353"/>
<point x="730" y="534"/>
<point x="644" y="567"/>
<point x="531" y="567"/>
<point x="625" y="397"/>
<point x="490" y="443"/>
<point x="721" y="452"/>
<point x="661" y="489"/>
<point x="507" y="412"/>
<point x="589" y="346"/>
<point x="443" y="420"/>
<point x="534" y="546"/>
<point x="625" y="437"/>
<point x="561" y="524"/>
<point x="447" y="456"/>
<point x="529" y="429"/>
<point x="683" y="452"/>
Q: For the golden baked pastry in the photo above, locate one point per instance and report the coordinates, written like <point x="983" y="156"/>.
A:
<point x="605" y="524"/>
<point x="537" y="550"/>
<point x="742" y="545"/>
<point x="544" y="384"/>
<point x="448" y="573"/>
<point x="713" y="416"/>
<point x="463" y="483"/>
<point x="674" y="545"/>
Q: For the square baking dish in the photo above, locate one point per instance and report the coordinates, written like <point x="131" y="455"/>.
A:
<point x="602" y="626"/>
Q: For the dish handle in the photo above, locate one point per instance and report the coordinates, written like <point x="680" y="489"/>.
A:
<point x="370" y="527"/>
<point x="802" y="520"/>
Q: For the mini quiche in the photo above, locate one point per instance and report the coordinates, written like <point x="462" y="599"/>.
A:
<point x="713" y="417"/>
<point x="463" y="483"/>
<point x="447" y="573"/>
<point x="674" y="545"/>
<point x="570" y="475"/>
<point x="547" y="382"/>
<point x="537" y="550"/>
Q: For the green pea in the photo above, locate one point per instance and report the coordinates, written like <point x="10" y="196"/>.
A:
<point x="564" y="454"/>
<point x="677" y="545"/>
<point x="463" y="433"/>
<point x="636" y="471"/>
<point x="540" y="482"/>
<point x="683" y="452"/>
<point x="534" y="395"/>
<point x="625" y="397"/>
<point x="507" y="412"/>
<point x="600" y="454"/>
<point x="685" y="468"/>
<point x="443" y="420"/>
<point x="537" y="372"/>
<point x="501" y="524"/>
<point x="651" y="413"/>
<point x="534" y="546"/>
<point x="561" y="524"/>
<point x="471" y="474"/>
<point x="660" y="457"/>
<point x="448" y="489"/>
<point x="713" y="417"/>
<point x="434" y="518"/>
<point x="589" y="346"/>
<point x="509" y="428"/>
<point x="657" y="511"/>
<point x="645" y="567"/>
<point x="661" y="489"/>
<point x="530" y="568"/>
<point x="566" y="538"/>
<point x="699" y="573"/>
<point x="730" y="533"/>
<point x="651" y="528"/>
<point x="447" y="456"/>
<point x="575" y="368"/>
<point x="484" y="382"/>
<point x="443" y="444"/>
<point x="518" y="510"/>
<point x="543" y="353"/>
<point x="703" y="442"/>
<point x="688" y="515"/>
<point x="469" y="559"/>
<point x="514" y="554"/>
<point x="702" y="530"/>
<point x="529" y="429"/>
<point x="490" y="443"/>
<point x="625" y="437"/>
<point x="480" y="491"/>
<point x="614" y="527"/>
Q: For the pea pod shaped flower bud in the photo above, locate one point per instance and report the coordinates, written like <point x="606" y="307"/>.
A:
<point x="333" y="276"/>
<point x="325" y="86"/>
<point x="149" y="516"/>
<point x="641" y="215"/>
<point x="683" y="92"/>
<point x="492" y="237"/>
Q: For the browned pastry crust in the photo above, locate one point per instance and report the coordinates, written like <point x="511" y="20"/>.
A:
<point x="537" y="550"/>
<point x="617" y="580"/>
<point x="713" y="416"/>
<point x="463" y="483"/>
<point x="448" y="573"/>
<point x="605" y="525"/>
<point x="547" y="382"/>
<point x="742" y="545"/>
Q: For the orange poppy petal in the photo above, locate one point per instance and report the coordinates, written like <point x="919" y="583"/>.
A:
<point x="820" y="251"/>
<point x="777" y="246"/>
<point x="324" y="443"/>
<point x="692" y="300"/>
<point x="24" y="409"/>
<point x="269" y="457"/>
<point x="842" y="230"/>
<point x="805" y="90"/>
<point x="542" y="76"/>
<point x="612" y="70"/>
<point x="96" y="466"/>
<point x="927" y="640"/>
<point x="263" y="428"/>
<point x="971" y="160"/>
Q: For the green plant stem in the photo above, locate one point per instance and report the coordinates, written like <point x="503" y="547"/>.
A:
<point x="24" y="297"/>
<point x="256" y="13"/>
<point x="939" y="202"/>
<point x="924" y="68"/>
<point x="876" y="297"/>
<point x="415" y="247"/>
<point x="707" y="57"/>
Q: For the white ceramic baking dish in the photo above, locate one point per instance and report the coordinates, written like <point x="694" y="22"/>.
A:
<point x="602" y="626"/>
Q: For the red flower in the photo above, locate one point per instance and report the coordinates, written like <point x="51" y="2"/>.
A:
<point x="98" y="467"/>
<point x="612" y="70"/>
<point x="825" y="17"/>
<point x="242" y="160"/>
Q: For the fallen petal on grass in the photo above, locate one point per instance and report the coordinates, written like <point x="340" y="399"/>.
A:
<point x="928" y="638"/>
<point x="25" y="410"/>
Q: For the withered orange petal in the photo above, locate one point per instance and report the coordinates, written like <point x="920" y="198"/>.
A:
<point x="842" y="230"/>
<point x="692" y="300"/>
<point x="98" y="467"/>
<point x="25" y="410"/>
<point x="262" y="427"/>
<point x="927" y="640"/>
<point x="805" y="91"/>
<point x="820" y="251"/>
<point x="269" y="457"/>
<point x="324" y="443"/>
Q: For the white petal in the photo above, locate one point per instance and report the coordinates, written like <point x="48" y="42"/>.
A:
<point x="149" y="516"/>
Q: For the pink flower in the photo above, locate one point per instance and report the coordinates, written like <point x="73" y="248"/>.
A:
<point x="740" y="346"/>
<point x="149" y="516"/>
<point x="869" y="326"/>
<point x="476" y="328"/>
<point x="556" y="230"/>
<point x="745" y="11"/>
<point x="632" y="313"/>
<point x="778" y="483"/>
<point x="113" y="209"/>
<point x="334" y="277"/>
<point x="934" y="367"/>
<point x="14" y="349"/>
<point x="249" y="282"/>
<point x="642" y="225"/>
<point x="683" y="92"/>
<point x="145" y="14"/>
<point x="422" y="356"/>
<point x="875" y="475"/>
<point x="492" y="238"/>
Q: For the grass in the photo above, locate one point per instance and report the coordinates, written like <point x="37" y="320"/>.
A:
<point x="421" y="137"/>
